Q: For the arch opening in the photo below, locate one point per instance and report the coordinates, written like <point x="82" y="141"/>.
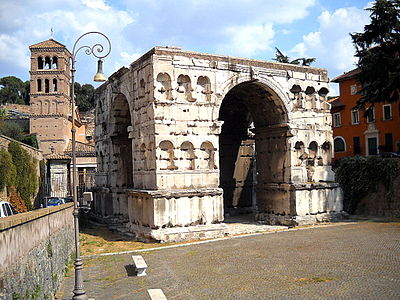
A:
<point x="253" y="148"/>
<point x="120" y="123"/>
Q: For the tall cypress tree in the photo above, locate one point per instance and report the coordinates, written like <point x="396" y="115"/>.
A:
<point x="378" y="50"/>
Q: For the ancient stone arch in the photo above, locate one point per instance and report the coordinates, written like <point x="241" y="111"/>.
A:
<point x="121" y="149"/>
<point x="239" y="135"/>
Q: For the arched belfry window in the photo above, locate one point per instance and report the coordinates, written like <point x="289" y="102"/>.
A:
<point x="47" y="63"/>
<point x="40" y="63"/>
<point x="39" y="85"/>
<point x="46" y="86"/>
<point x="54" y="65"/>
<point x="54" y="85"/>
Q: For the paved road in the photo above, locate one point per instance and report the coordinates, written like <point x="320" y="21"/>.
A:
<point x="351" y="261"/>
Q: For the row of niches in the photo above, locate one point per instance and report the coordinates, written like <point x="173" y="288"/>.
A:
<point x="186" y="157"/>
<point x="309" y="98"/>
<point x="181" y="90"/>
<point x="48" y="107"/>
<point x="313" y="155"/>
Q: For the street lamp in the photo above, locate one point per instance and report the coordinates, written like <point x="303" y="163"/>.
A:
<point x="97" y="51"/>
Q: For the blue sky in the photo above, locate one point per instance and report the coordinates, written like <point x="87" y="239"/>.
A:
<point x="244" y="28"/>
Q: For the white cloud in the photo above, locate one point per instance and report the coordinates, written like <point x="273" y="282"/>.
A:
<point x="248" y="40"/>
<point x="12" y="50"/>
<point x="98" y="4"/>
<point x="125" y="59"/>
<point x="331" y="45"/>
<point x="234" y="27"/>
<point x="30" y="23"/>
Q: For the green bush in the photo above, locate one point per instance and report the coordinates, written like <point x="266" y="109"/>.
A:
<point x="361" y="175"/>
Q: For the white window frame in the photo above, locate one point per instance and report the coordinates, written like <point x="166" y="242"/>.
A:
<point x="383" y="111"/>
<point x="344" y="143"/>
<point x="353" y="89"/>
<point x="357" y="113"/>
<point x="339" y="118"/>
<point x="373" y="115"/>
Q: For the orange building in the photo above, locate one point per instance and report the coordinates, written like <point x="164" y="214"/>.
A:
<point x="370" y="131"/>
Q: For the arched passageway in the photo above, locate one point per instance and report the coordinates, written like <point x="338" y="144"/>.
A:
<point x="120" y="123"/>
<point x="253" y="148"/>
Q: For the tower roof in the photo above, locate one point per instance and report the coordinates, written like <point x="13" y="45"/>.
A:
<point x="50" y="43"/>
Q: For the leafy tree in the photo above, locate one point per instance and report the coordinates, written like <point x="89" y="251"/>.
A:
<point x="12" y="90"/>
<point x="84" y="96"/>
<point x="27" y="90"/>
<point x="12" y="130"/>
<point x="280" y="57"/>
<point x="15" y="131"/>
<point x="3" y="113"/>
<point x="31" y="140"/>
<point x="378" y="51"/>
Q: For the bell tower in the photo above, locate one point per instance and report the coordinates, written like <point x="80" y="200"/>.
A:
<point x="50" y="95"/>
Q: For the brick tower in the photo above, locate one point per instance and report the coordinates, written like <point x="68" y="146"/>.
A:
<point x="50" y="95"/>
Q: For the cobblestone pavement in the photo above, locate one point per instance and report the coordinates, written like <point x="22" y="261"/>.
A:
<point x="359" y="260"/>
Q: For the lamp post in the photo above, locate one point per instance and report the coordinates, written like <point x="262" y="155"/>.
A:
<point x="97" y="51"/>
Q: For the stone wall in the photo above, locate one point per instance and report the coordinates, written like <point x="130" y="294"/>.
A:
<point x="378" y="203"/>
<point x="34" y="249"/>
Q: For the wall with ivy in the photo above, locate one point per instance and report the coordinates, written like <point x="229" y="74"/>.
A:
<point x="19" y="173"/>
<point x="371" y="185"/>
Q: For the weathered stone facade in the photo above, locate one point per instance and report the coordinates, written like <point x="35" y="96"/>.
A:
<point x="182" y="137"/>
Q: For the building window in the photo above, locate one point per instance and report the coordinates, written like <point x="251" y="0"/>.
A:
<point x="339" y="144"/>
<point x="337" y="122"/>
<point x="388" y="142"/>
<point x="370" y="114"/>
<point x="353" y="89"/>
<point x="356" y="145"/>
<point x="47" y="63"/>
<point x="355" y="117"/>
<point x="387" y="112"/>
<point x="40" y="63"/>
<point x="54" y="65"/>
<point x="39" y="85"/>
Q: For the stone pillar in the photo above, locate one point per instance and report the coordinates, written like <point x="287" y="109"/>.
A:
<point x="59" y="178"/>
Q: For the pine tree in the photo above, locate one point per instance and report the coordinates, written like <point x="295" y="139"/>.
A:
<point x="378" y="50"/>
<point x="280" y="57"/>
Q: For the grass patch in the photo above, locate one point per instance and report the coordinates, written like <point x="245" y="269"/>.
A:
<point x="191" y="253"/>
<point x="99" y="240"/>
<point x="315" y="279"/>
